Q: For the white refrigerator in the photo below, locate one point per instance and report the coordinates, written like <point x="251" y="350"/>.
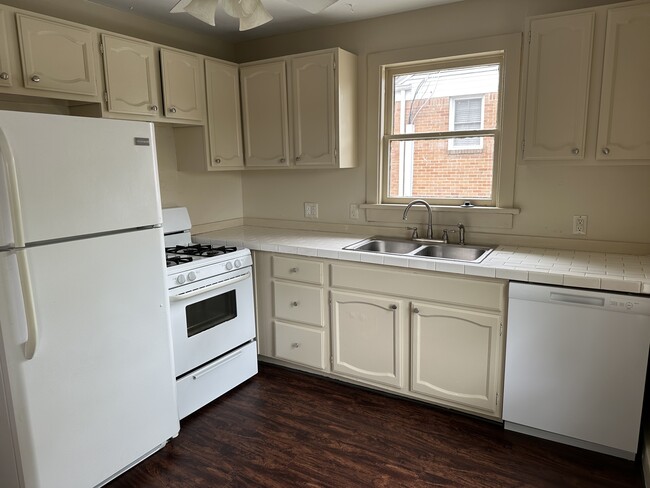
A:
<point x="86" y="372"/>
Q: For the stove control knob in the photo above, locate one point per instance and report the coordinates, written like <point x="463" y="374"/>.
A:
<point x="237" y="263"/>
<point x="191" y="276"/>
<point x="228" y="265"/>
<point x="180" y="279"/>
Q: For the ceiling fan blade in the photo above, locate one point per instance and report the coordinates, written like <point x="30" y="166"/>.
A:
<point x="313" y="6"/>
<point x="260" y="16"/>
<point x="240" y="8"/>
<point x="204" y="10"/>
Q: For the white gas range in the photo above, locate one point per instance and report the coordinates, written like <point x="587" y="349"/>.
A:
<point x="212" y="314"/>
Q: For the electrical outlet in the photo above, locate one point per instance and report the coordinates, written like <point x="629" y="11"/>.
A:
<point x="354" y="211"/>
<point x="311" y="210"/>
<point x="580" y="224"/>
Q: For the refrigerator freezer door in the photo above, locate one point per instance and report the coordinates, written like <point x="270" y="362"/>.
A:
<point x="99" y="392"/>
<point x="75" y="176"/>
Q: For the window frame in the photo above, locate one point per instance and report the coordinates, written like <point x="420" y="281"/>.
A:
<point x="452" y="121"/>
<point x="389" y="71"/>
<point x="501" y="215"/>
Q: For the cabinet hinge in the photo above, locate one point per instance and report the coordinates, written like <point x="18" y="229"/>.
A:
<point x="336" y="152"/>
<point x="530" y="36"/>
<point x="500" y="329"/>
<point x="497" y="399"/>
<point x="106" y="96"/>
<point x="101" y="48"/>
<point x="334" y="64"/>
<point x="523" y="146"/>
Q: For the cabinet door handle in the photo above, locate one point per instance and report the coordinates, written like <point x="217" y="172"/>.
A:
<point x="282" y="160"/>
<point x="217" y="161"/>
<point x="295" y="345"/>
<point x="393" y="307"/>
<point x="154" y="108"/>
<point x="416" y="310"/>
<point x="294" y="304"/>
<point x="4" y="76"/>
<point x="36" y="78"/>
<point x="172" y="110"/>
<point x="298" y="158"/>
<point x="293" y="270"/>
<point x="575" y="151"/>
<point x="606" y="151"/>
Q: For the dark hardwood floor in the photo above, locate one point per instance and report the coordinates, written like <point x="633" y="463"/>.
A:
<point x="286" y="429"/>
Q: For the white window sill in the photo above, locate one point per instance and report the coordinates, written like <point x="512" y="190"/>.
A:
<point x="477" y="217"/>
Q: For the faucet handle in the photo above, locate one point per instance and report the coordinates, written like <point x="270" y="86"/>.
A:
<point x="415" y="232"/>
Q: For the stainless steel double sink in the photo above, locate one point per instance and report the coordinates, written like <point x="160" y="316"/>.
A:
<point x="421" y="248"/>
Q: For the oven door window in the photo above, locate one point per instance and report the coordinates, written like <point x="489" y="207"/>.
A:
<point x="209" y="313"/>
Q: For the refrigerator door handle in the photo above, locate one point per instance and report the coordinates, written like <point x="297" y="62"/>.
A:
<point x="28" y="301"/>
<point x="11" y="189"/>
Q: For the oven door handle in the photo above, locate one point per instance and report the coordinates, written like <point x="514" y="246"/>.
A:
<point x="200" y="291"/>
<point x="213" y="366"/>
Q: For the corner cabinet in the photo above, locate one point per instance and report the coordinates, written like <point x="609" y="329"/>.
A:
<point x="300" y="111"/>
<point x="435" y="337"/>
<point x="569" y="114"/>
<point x="57" y="57"/>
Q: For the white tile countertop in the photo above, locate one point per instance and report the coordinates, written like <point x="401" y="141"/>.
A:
<point x="601" y="271"/>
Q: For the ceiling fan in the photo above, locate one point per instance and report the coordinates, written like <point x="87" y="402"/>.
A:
<point x="251" y="13"/>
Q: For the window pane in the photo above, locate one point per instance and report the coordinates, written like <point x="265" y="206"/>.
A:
<point x="422" y="100"/>
<point x="457" y="168"/>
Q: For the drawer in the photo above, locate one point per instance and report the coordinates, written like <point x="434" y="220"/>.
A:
<point x="201" y="386"/>
<point x="302" y="270"/>
<point x="298" y="303"/>
<point x="300" y="344"/>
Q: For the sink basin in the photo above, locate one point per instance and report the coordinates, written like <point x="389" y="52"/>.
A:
<point x="450" y="251"/>
<point x="422" y="249"/>
<point x="387" y="246"/>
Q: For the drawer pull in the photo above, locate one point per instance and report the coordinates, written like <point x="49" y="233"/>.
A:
<point x="393" y="307"/>
<point x="295" y="345"/>
<point x="416" y="310"/>
<point x="293" y="270"/>
<point x="4" y="76"/>
<point x="36" y="79"/>
<point x="294" y="304"/>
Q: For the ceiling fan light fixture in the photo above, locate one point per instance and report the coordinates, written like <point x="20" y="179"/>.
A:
<point x="260" y="16"/>
<point x="240" y="8"/>
<point x="204" y="10"/>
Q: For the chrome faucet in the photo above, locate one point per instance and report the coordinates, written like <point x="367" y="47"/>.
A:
<point x="429" y="222"/>
<point x="461" y="234"/>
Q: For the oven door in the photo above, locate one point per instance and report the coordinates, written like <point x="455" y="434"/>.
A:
<point x="211" y="317"/>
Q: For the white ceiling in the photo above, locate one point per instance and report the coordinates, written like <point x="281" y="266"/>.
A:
<point x="286" y="17"/>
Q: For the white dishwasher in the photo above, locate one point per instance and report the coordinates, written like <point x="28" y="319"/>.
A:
<point x="576" y="365"/>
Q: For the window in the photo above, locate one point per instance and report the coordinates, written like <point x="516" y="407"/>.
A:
<point x="441" y="130"/>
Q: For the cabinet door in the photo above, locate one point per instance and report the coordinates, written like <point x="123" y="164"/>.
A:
<point x="6" y="72"/>
<point x="182" y="85"/>
<point x="224" y="114"/>
<point x="559" y="68"/>
<point x="456" y="355"/>
<point x="625" y="100"/>
<point x="265" y="114"/>
<point x="57" y="57"/>
<point x="367" y="337"/>
<point x="313" y="94"/>
<point x="130" y="72"/>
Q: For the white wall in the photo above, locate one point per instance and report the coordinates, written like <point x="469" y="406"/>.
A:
<point x="616" y="199"/>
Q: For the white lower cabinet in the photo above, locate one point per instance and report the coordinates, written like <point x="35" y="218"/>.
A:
<point x="367" y="337"/>
<point x="436" y="337"/>
<point x="456" y="355"/>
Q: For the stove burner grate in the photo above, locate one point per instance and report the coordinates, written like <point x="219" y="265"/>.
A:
<point x="176" y="260"/>
<point x="205" y="250"/>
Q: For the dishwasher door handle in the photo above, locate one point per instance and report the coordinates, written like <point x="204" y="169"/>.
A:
<point x="577" y="299"/>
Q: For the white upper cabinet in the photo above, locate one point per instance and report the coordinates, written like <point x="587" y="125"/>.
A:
<point x="224" y="114"/>
<point x="265" y="114"/>
<point x="314" y="114"/>
<point x="6" y="71"/>
<point x="624" y="122"/>
<point x="557" y="91"/>
<point x="130" y="74"/>
<point x="183" y="85"/>
<point x="307" y="120"/>
<point x="57" y="56"/>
